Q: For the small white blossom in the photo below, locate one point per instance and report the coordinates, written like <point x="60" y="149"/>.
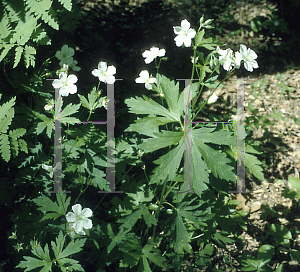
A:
<point x="212" y="99"/>
<point x="282" y="110"/>
<point x="153" y="53"/>
<point x="104" y="73"/>
<point x="185" y="34"/>
<point x="248" y="56"/>
<point x="66" y="84"/>
<point x="226" y="58"/>
<point x="145" y="78"/>
<point x="79" y="218"/>
<point x="192" y="59"/>
<point x="50" y="169"/>
<point x="104" y="103"/>
<point x="65" y="55"/>
<point x="50" y="105"/>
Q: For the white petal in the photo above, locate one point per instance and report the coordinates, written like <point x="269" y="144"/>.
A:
<point x="110" y="80"/>
<point x="139" y="80"/>
<point x="87" y="224"/>
<point x="77" y="209"/>
<point x="144" y="74"/>
<point x="72" y="78"/>
<point x="102" y="66"/>
<point x="96" y="72"/>
<point x="111" y="70"/>
<point x="71" y="217"/>
<point x="87" y="212"/>
<point x="56" y="83"/>
<point x="185" y="24"/>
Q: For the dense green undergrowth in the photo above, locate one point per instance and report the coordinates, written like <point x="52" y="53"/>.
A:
<point x="165" y="214"/>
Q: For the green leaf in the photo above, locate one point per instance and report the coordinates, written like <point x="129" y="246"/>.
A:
<point x="265" y="254"/>
<point x="19" y="51"/>
<point x="149" y="218"/>
<point x="116" y="239"/>
<point x="295" y="183"/>
<point x="199" y="37"/>
<point x="32" y="263"/>
<point x="295" y="254"/>
<point x="146" y="105"/>
<point x="161" y="140"/>
<point x="7" y="113"/>
<point x="29" y="56"/>
<point x="168" y="164"/>
<point x="67" y="4"/>
<point x="47" y="205"/>
<point x="68" y="110"/>
<point x="148" y="125"/>
<point x="182" y="236"/>
<point x="72" y="248"/>
<point x="5" y="28"/>
<point x="6" y="49"/>
<point x="153" y="254"/>
<point x="252" y="163"/>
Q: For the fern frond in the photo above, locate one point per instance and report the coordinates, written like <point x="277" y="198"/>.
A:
<point x="4" y="27"/>
<point x="4" y="147"/>
<point x="67" y="4"/>
<point x="19" y="51"/>
<point x="7" y="113"/>
<point x="6" y="49"/>
<point x="29" y="55"/>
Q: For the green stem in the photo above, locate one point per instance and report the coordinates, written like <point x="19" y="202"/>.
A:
<point x="228" y="74"/>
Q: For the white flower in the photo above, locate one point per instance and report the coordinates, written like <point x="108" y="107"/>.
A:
<point x="145" y="78"/>
<point x="248" y="56"/>
<point x="79" y="218"/>
<point x="282" y="110"/>
<point x="226" y="58"/>
<point x="104" y="73"/>
<point x="212" y="99"/>
<point x="66" y="84"/>
<point x="50" y="105"/>
<point x="153" y="53"/>
<point x="65" y="55"/>
<point x="51" y="169"/>
<point x="104" y="103"/>
<point x="192" y="59"/>
<point x="185" y="34"/>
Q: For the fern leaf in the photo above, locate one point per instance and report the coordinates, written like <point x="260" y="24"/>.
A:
<point x="4" y="147"/>
<point x="17" y="133"/>
<point x="4" y="27"/>
<point x="38" y="7"/>
<point x="5" y="51"/>
<point x="67" y="4"/>
<point x="47" y="18"/>
<point x="19" y="51"/>
<point x="6" y="120"/>
<point x="24" y="30"/>
<point x="15" y="147"/>
<point x="23" y="146"/>
<point x="29" y="55"/>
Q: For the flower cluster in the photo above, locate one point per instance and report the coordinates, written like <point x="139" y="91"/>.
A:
<point x="66" y="84"/>
<point x="228" y="60"/>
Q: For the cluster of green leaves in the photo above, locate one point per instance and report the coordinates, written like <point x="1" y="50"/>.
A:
<point x="21" y="24"/>
<point x="151" y="226"/>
